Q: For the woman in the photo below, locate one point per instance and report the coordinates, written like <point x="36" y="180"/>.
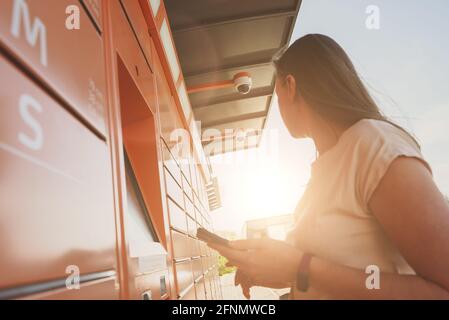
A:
<point x="371" y="223"/>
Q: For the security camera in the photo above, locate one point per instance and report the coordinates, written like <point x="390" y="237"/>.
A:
<point x="243" y="82"/>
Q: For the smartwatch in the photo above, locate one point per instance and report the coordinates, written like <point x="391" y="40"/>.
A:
<point x="302" y="277"/>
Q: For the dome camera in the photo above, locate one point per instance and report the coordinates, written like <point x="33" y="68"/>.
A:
<point x="243" y="82"/>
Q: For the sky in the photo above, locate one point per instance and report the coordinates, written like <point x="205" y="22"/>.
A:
<point x="404" y="63"/>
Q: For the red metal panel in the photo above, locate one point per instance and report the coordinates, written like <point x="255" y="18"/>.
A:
<point x="173" y="189"/>
<point x="181" y="245"/>
<point x="95" y="10"/>
<point x="154" y="282"/>
<point x="193" y="171"/>
<point x="178" y="218"/>
<point x="192" y="226"/>
<point x="171" y="164"/>
<point x="189" y="207"/>
<point x="55" y="191"/>
<point x="196" y="248"/>
<point x="70" y="61"/>
<point x="171" y="123"/>
<point x="205" y="263"/>
<point x="202" y="248"/>
<point x="199" y="218"/>
<point x="189" y="295"/>
<point x="140" y="27"/>
<point x="105" y="289"/>
<point x="207" y="286"/>
<point x="192" y="246"/>
<point x="184" y="165"/>
<point x="187" y="188"/>
<point x="184" y="275"/>
<point x="200" y="290"/>
<point x="197" y="267"/>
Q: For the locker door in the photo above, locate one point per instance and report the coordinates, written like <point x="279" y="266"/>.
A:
<point x="56" y="207"/>
<point x="70" y="61"/>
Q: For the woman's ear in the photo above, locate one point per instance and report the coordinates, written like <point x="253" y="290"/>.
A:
<point x="291" y="87"/>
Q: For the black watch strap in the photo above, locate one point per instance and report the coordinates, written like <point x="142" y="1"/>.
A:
<point x="302" y="277"/>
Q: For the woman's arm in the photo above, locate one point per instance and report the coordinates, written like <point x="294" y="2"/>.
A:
<point x="342" y="282"/>
<point x="337" y="281"/>
<point x="415" y="216"/>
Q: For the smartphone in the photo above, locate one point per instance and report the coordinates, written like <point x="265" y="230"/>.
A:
<point x="210" y="237"/>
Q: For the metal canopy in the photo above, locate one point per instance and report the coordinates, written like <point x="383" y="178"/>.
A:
<point x="215" y="39"/>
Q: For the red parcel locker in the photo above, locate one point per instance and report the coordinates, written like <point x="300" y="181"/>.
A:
<point x="69" y="61"/>
<point x="56" y="194"/>
<point x="74" y="101"/>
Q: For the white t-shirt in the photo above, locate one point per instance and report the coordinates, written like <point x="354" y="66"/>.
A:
<point x="333" y="220"/>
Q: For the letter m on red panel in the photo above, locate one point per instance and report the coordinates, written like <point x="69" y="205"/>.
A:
<point x="34" y="32"/>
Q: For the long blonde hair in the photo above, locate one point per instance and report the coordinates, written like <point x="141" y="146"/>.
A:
<point x="328" y="81"/>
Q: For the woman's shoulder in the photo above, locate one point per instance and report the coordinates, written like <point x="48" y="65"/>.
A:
<point x="366" y="127"/>
<point x="380" y="142"/>
<point x="373" y="133"/>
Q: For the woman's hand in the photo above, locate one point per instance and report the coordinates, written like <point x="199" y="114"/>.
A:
<point x="245" y="283"/>
<point x="262" y="262"/>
